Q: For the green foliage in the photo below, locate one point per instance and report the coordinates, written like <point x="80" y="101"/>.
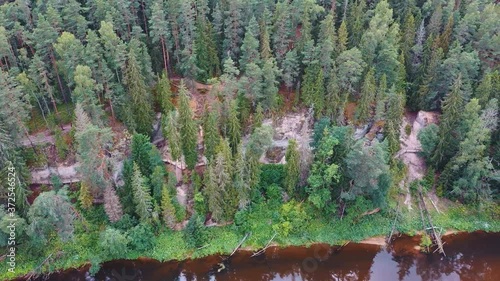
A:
<point x="293" y="219"/>
<point x="141" y="237"/>
<point x="188" y="129"/>
<point x="272" y="174"/>
<point x="51" y="213"/>
<point x="141" y="195"/>
<point x="113" y="244"/>
<point x="195" y="232"/>
<point x="428" y="138"/>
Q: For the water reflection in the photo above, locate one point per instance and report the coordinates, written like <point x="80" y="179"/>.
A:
<point x="470" y="257"/>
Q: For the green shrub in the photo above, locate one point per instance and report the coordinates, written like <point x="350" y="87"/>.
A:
<point x="272" y="174"/>
<point x="408" y="129"/>
<point x="194" y="233"/>
<point x="142" y="237"/>
<point x="61" y="146"/>
<point x="293" y="219"/>
<point x="113" y="244"/>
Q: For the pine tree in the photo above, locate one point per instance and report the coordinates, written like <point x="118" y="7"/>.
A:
<point x="292" y="167"/>
<point x="164" y="94"/>
<point x="168" y="210"/>
<point x="188" y="129"/>
<point x="140" y="100"/>
<point x="70" y="52"/>
<point x="15" y="106"/>
<point x="326" y="42"/>
<point x="142" y="197"/>
<point x="159" y="31"/>
<point x="350" y="68"/>
<point x="112" y="204"/>
<point x="368" y="92"/>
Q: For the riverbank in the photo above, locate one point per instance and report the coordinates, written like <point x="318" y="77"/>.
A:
<point x="83" y="251"/>
<point x="320" y="256"/>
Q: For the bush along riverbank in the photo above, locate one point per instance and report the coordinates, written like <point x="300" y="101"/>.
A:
<point x="290" y="221"/>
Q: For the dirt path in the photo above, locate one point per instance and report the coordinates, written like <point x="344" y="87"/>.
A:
<point x="410" y="147"/>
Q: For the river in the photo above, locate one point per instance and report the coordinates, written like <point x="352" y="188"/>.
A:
<point x="473" y="256"/>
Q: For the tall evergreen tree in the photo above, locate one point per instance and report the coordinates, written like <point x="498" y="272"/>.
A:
<point x="368" y="92"/>
<point x="292" y="167"/>
<point x="164" y="94"/>
<point x="142" y="196"/>
<point x="188" y="128"/>
<point x="140" y="100"/>
<point x="448" y="128"/>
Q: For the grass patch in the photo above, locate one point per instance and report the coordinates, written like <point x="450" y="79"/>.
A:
<point x="37" y="123"/>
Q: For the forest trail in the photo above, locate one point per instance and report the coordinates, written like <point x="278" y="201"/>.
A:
<point x="410" y="147"/>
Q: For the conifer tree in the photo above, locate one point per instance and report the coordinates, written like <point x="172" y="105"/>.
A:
<point x="142" y="196"/>
<point x="233" y="30"/>
<point x="292" y="167"/>
<point x="207" y="58"/>
<point x="187" y="128"/>
<point x="240" y="176"/>
<point x="85" y="197"/>
<point x="342" y="38"/>
<point x="290" y="69"/>
<point x="84" y="93"/>
<point x="394" y="115"/>
<point x="92" y="142"/>
<point x="167" y="208"/>
<point x="368" y="92"/>
<point x="112" y="204"/>
<point x="313" y="88"/>
<point x="159" y="31"/>
<point x="258" y="116"/>
<point x="140" y="100"/>
<point x="270" y="74"/>
<point x="164" y="94"/>
<point x="213" y="193"/>
<point x="172" y="134"/>
<point x="250" y="47"/>
<point x="265" y="40"/>
<point x="448" y="127"/>
<point x="211" y="135"/>
<point x="234" y="129"/>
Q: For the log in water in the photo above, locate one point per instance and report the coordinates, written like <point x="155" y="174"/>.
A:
<point x="474" y="257"/>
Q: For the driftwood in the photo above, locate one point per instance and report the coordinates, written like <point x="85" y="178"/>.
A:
<point x="34" y="273"/>
<point x="394" y="223"/>
<point x="239" y="245"/>
<point x="261" y="251"/>
<point x="370" y="212"/>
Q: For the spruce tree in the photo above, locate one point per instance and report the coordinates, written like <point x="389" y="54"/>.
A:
<point x="211" y="135"/>
<point x="172" y="134"/>
<point x="292" y="167"/>
<point x="234" y="129"/>
<point x="368" y="92"/>
<point x="448" y="128"/>
<point x="188" y="128"/>
<point x="168" y="210"/>
<point x="164" y="93"/>
<point x="139" y="96"/>
<point x="112" y="204"/>
<point x="313" y="88"/>
<point x="270" y="74"/>
<point x="142" y="196"/>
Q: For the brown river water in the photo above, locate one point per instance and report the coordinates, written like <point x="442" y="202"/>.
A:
<point x="473" y="256"/>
